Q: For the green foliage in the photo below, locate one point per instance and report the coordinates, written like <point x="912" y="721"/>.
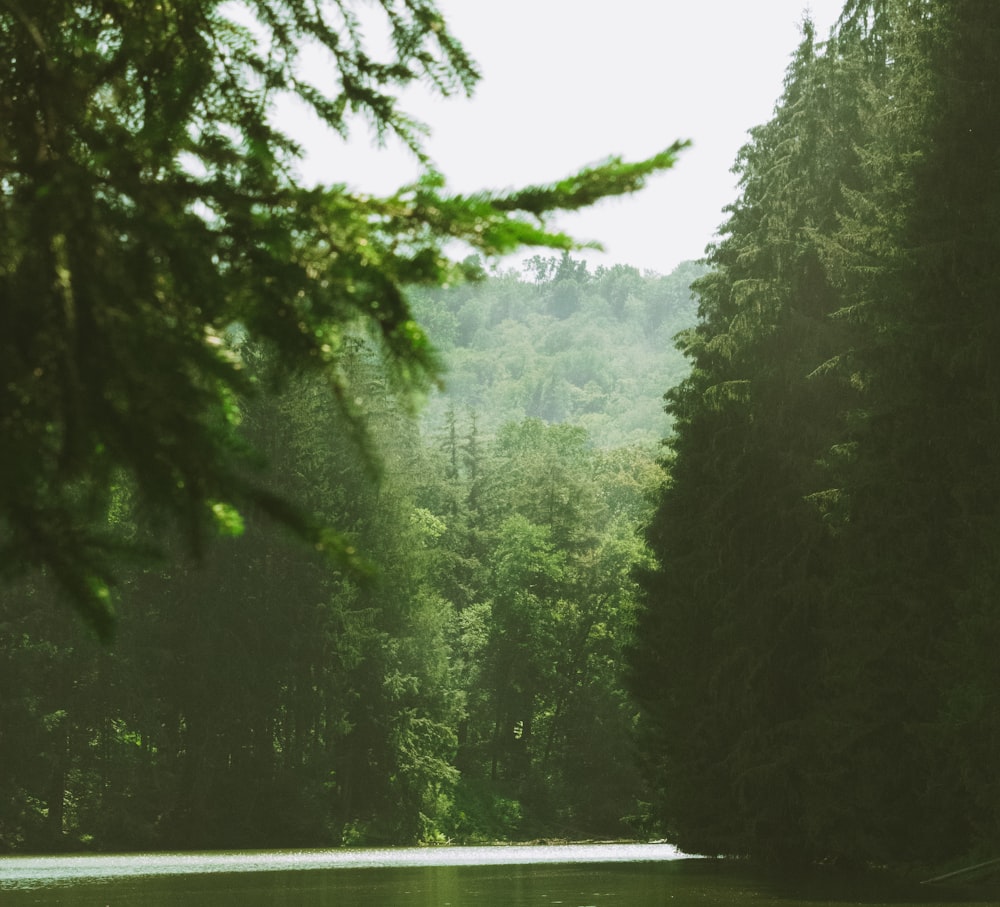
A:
<point x="481" y="815"/>
<point x="826" y="533"/>
<point x="148" y="207"/>
<point x="561" y="344"/>
<point x="542" y="530"/>
<point x="257" y="698"/>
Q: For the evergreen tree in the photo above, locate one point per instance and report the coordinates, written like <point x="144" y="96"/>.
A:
<point x="808" y="657"/>
<point x="149" y="205"/>
<point x="727" y="648"/>
<point x="921" y="277"/>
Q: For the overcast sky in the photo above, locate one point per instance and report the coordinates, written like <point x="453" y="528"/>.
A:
<point x="569" y="82"/>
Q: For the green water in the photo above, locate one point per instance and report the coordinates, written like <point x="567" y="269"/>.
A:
<point x="593" y="876"/>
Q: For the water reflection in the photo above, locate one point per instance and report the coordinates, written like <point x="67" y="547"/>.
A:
<point x="567" y="876"/>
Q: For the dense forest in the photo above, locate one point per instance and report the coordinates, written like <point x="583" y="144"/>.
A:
<point x="387" y="548"/>
<point x="561" y="343"/>
<point x="296" y="619"/>
<point x="468" y="685"/>
<point x="817" y="655"/>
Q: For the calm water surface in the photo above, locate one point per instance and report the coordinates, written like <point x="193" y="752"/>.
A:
<point x="637" y="875"/>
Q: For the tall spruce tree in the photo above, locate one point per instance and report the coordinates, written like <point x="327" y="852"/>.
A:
<point x="811" y="657"/>
<point x="726" y="667"/>
<point x="921" y="281"/>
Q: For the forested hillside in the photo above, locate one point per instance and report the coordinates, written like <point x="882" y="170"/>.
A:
<point x="462" y="681"/>
<point x="817" y="656"/>
<point x="562" y="344"/>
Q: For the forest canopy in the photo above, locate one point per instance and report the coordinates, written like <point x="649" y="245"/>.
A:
<point x="561" y="343"/>
<point x="149" y="210"/>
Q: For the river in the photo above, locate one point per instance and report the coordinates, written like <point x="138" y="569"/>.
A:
<point x="637" y="875"/>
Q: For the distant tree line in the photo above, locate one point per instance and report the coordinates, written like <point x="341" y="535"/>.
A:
<point x="562" y="343"/>
<point x="817" y="655"/>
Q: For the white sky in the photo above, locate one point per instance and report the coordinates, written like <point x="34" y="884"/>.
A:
<point x="568" y="82"/>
